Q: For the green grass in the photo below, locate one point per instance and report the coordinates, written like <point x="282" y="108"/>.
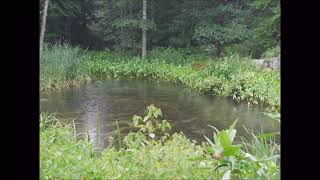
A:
<point x="231" y="76"/>
<point x="272" y="52"/>
<point x="60" y="66"/>
<point x="168" y="156"/>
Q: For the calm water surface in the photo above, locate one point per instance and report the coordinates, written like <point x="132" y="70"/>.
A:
<point x="119" y="100"/>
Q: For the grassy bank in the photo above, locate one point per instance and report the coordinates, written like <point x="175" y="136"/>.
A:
<point x="232" y="76"/>
<point x="151" y="152"/>
<point x="62" y="66"/>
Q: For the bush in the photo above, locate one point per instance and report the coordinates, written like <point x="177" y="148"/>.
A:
<point x="167" y="55"/>
<point x="272" y="52"/>
<point x="240" y="49"/>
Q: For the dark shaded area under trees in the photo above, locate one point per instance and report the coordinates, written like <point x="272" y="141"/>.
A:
<point x="246" y="26"/>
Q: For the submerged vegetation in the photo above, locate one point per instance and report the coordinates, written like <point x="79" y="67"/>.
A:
<point x="231" y="76"/>
<point x="158" y="156"/>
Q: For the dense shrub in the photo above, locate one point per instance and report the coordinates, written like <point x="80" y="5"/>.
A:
<point x="272" y="52"/>
<point x="167" y="55"/>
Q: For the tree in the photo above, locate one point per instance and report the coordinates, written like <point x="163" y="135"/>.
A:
<point x="43" y="26"/>
<point x="265" y="22"/>
<point x="124" y="25"/>
<point x="221" y="24"/>
<point x="144" y="32"/>
<point x="67" y="21"/>
<point x="119" y="24"/>
<point x="218" y="35"/>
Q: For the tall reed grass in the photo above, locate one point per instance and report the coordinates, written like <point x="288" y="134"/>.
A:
<point x="60" y="65"/>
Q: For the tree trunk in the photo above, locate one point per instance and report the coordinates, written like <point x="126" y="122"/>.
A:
<point x="43" y="26"/>
<point x="144" y="32"/>
<point x="217" y="45"/>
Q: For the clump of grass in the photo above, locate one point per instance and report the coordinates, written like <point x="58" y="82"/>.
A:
<point x="60" y="65"/>
<point x="265" y="154"/>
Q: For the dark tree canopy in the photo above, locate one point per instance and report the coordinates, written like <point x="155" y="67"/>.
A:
<point x="117" y="24"/>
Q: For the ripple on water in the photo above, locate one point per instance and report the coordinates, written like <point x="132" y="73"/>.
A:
<point x="120" y="99"/>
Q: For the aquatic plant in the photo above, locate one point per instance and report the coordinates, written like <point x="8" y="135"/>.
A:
<point x="232" y="76"/>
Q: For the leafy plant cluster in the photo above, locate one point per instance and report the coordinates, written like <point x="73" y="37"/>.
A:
<point x="272" y="52"/>
<point x="63" y="156"/>
<point x="237" y="159"/>
<point x="232" y="76"/>
<point x="167" y="55"/>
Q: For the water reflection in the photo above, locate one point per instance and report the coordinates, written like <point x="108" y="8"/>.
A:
<point x="119" y="100"/>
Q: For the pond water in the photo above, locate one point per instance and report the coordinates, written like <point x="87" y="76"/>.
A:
<point x="120" y="99"/>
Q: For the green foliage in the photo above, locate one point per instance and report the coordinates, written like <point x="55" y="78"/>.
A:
<point x="64" y="156"/>
<point x="151" y="123"/>
<point x="240" y="49"/>
<point x="216" y="33"/>
<point x="272" y="52"/>
<point x="222" y="145"/>
<point x="253" y="25"/>
<point x="232" y="76"/>
<point x="119" y="23"/>
<point x="222" y="24"/>
<point x="167" y="55"/>
<point x="235" y="161"/>
<point x="263" y="153"/>
<point x="264" y="20"/>
<point x="61" y="66"/>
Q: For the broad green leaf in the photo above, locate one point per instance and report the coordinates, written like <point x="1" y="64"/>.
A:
<point x="232" y="134"/>
<point x="212" y="150"/>
<point x="231" y="150"/>
<point x="145" y="118"/>
<point x="224" y="139"/>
